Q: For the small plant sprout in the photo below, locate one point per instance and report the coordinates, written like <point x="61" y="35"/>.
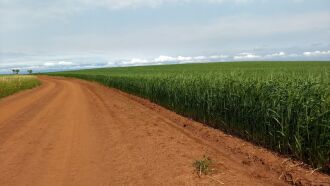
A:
<point x="203" y="166"/>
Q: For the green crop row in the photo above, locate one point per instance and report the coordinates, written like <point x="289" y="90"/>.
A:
<point x="10" y="84"/>
<point x="282" y="106"/>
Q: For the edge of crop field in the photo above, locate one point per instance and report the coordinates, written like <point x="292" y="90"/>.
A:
<point x="14" y="87"/>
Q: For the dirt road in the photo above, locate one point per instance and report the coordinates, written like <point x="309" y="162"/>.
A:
<point x="73" y="132"/>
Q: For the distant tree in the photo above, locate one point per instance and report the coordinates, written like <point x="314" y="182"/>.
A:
<point x="29" y="71"/>
<point x="15" y="71"/>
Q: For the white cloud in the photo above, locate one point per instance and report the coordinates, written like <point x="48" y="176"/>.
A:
<point x="279" y="54"/>
<point x="65" y="63"/>
<point x="317" y="53"/>
<point x="200" y="58"/>
<point x="191" y="59"/>
<point x="58" y="64"/>
<point x="218" y="57"/>
<point x="184" y="58"/>
<point x="49" y="64"/>
<point x="40" y="63"/>
<point x="134" y="61"/>
<point x="246" y="56"/>
<point x="164" y="59"/>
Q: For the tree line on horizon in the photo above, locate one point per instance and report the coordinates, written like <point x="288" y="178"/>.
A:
<point x="16" y="71"/>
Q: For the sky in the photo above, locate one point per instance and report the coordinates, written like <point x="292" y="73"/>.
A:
<point x="53" y="35"/>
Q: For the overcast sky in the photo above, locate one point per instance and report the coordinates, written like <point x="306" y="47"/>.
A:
<point x="72" y="34"/>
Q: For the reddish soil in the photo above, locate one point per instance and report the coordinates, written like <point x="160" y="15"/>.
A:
<point x="73" y="132"/>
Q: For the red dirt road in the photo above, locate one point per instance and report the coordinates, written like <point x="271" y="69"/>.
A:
<point x="73" y="132"/>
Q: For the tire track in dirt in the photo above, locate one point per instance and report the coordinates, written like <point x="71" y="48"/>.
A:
<point x="73" y="132"/>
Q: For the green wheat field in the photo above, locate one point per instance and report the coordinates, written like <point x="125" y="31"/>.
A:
<point x="284" y="106"/>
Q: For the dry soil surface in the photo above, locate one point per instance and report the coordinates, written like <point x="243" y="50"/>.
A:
<point x="73" y="132"/>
